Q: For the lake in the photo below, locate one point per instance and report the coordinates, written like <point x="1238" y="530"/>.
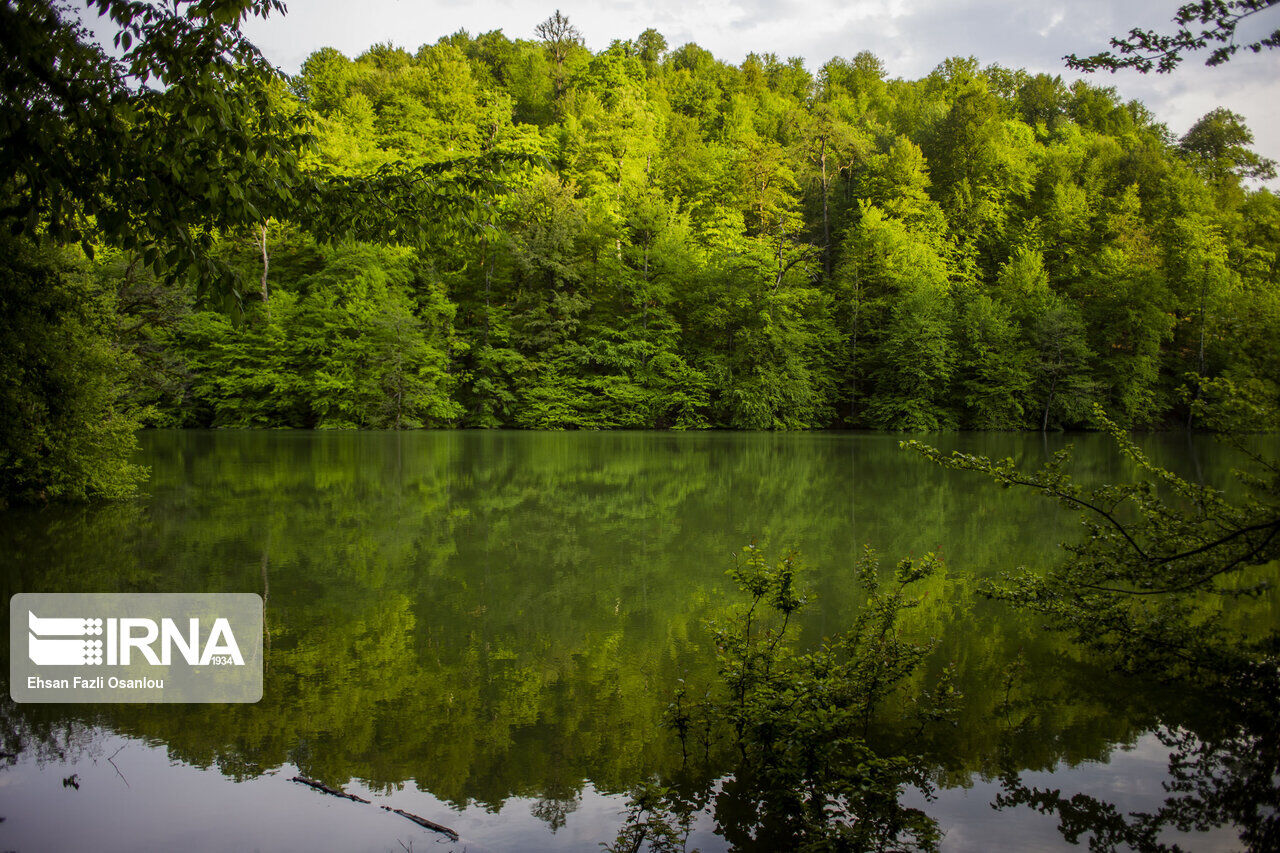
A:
<point x="485" y="628"/>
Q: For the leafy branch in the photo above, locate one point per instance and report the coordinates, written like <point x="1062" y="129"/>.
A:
<point x="1153" y="550"/>
<point x="1199" y="25"/>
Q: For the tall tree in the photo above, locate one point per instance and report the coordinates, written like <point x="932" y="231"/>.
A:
<point x="560" y="37"/>
<point x="1216" y="146"/>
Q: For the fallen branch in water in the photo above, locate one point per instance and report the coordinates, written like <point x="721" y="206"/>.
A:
<point x="423" y="822"/>
<point x="111" y="761"/>
<point x="325" y="789"/>
<point x="420" y="821"/>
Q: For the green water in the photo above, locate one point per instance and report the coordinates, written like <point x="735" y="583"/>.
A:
<point x="487" y="626"/>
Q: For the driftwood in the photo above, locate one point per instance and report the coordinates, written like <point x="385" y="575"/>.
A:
<point x="419" y="820"/>
<point x="325" y="789"/>
<point x="423" y="822"/>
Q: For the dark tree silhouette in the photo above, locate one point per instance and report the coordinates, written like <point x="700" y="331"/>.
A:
<point x="1208" y="23"/>
<point x="559" y="35"/>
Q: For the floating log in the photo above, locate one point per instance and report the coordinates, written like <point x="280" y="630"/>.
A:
<point x="418" y="819"/>
<point x="325" y="789"/>
<point x="423" y="822"/>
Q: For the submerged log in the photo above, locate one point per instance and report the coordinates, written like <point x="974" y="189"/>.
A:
<point x="423" y="822"/>
<point x="418" y="819"/>
<point x="325" y="789"/>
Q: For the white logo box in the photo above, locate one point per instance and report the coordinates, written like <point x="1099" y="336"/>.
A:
<point x="135" y="647"/>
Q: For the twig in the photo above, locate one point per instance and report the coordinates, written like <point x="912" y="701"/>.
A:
<point x="117" y="769"/>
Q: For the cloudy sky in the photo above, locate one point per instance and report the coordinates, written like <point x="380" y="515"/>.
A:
<point x="910" y="36"/>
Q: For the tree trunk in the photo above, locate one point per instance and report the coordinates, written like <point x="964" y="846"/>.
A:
<point x="826" y="214"/>
<point x="1200" y="362"/>
<point x="266" y="262"/>
<point x="853" y="347"/>
<point x="1044" y="426"/>
<point x="487" y="262"/>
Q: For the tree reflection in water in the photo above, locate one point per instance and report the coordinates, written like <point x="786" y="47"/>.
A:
<point x="493" y="617"/>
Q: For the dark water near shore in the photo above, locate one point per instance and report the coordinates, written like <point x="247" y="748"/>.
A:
<point x="484" y="629"/>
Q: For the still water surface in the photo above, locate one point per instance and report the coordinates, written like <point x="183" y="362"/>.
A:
<point x="484" y="629"/>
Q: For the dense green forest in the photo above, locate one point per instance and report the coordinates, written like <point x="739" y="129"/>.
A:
<point x="647" y="237"/>
<point x="757" y="247"/>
